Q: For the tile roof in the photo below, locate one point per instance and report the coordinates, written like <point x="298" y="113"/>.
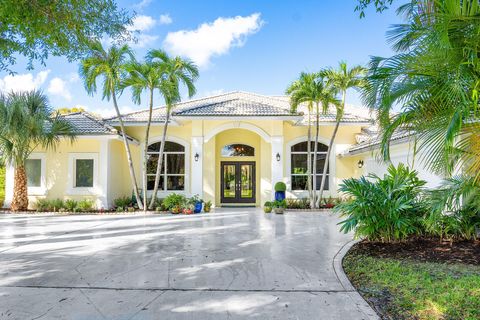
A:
<point x="87" y="124"/>
<point x="374" y="140"/>
<point x="234" y="104"/>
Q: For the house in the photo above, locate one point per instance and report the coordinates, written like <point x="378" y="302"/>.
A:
<point x="230" y="148"/>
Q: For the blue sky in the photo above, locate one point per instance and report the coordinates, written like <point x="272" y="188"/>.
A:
<point x="248" y="45"/>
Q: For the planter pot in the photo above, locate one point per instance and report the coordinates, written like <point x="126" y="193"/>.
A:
<point x="267" y="209"/>
<point x="279" y="210"/>
<point x="206" y="209"/>
<point x="187" y="211"/>
<point x="279" y="195"/>
<point x="176" y="210"/>
<point x="198" y="207"/>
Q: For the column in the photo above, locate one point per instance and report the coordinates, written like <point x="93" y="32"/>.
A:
<point x="277" y="166"/>
<point x="196" y="171"/>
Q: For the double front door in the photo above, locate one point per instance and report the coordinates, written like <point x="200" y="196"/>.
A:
<point x="237" y="182"/>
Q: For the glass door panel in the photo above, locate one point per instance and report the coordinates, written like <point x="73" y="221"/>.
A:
<point x="229" y="181"/>
<point x="246" y="181"/>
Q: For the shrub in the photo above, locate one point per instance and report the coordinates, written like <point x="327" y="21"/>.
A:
<point x="123" y="202"/>
<point x="85" y="205"/>
<point x="56" y="205"/>
<point x="70" y="205"/>
<point x="298" y="203"/>
<point x="385" y="209"/>
<point x="174" y="200"/>
<point x="268" y="204"/>
<point x="280" y="187"/>
<point x="279" y="204"/>
<point x="455" y="210"/>
<point x="42" y="205"/>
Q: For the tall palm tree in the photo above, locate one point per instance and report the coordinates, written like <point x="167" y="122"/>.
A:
<point x="110" y="66"/>
<point x="176" y="71"/>
<point x="26" y="122"/>
<point x="434" y="78"/>
<point x="143" y="77"/>
<point x="305" y="90"/>
<point x="341" y="79"/>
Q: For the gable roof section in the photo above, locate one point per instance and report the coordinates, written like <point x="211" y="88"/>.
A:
<point x="374" y="141"/>
<point x="233" y="104"/>
<point x="86" y="124"/>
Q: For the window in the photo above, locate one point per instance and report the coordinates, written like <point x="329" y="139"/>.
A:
<point x="33" y="167"/>
<point x="172" y="176"/>
<point x="299" y="162"/>
<point x="238" y="150"/>
<point x="35" y="170"/>
<point x="83" y="173"/>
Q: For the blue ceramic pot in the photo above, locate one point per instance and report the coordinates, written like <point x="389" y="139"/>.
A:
<point x="198" y="207"/>
<point x="279" y="195"/>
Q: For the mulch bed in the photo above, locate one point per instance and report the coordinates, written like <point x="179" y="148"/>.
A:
<point x="424" y="250"/>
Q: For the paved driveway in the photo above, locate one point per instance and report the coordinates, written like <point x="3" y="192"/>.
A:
<point x="231" y="264"/>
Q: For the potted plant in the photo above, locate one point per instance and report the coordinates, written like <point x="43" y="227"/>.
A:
<point x="267" y="207"/>
<point x="197" y="203"/>
<point x="280" y="189"/>
<point x="207" y="206"/>
<point x="189" y="208"/>
<point x="328" y="203"/>
<point x="279" y="206"/>
<point x="174" y="202"/>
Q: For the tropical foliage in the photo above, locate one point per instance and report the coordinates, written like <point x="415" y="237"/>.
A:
<point x="26" y="123"/>
<point x="37" y="29"/>
<point x="110" y="66"/>
<point x="385" y="208"/>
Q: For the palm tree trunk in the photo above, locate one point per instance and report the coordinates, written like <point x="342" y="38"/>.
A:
<point x="127" y="149"/>
<point x="315" y="151"/>
<point x="309" y="159"/>
<point x="145" y="154"/>
<point x="160" y="160"/>
<point x="330" y="146"/>
<point x="20" y="191"/>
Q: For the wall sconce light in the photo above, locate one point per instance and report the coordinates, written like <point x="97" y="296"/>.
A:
<point x="197" y="156"/>
<point x="360" y="163"/>
<point x="278" y="156"/>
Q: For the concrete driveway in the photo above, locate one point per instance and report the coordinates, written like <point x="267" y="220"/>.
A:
<point x="230" y="264"/>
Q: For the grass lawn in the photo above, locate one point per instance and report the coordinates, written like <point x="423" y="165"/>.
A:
<point x="408" y="289"/>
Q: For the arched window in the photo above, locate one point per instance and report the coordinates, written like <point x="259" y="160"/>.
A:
<point x="173" y="168"/>
<point x="238" y="150"/>
<point x="299" y="165"/>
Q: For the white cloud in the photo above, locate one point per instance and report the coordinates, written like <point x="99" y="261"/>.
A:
<point x="23" y="82"/>
<point x="212" y="39"/>
<point x="142" y="4"/>
<point x="143" y="40"/>
<point x="108" y="112"/>
<point x="142" y="23"/>
<point x="212" y="93"/>
<point x="57" y="87"/>
<point x="165" y="19"/>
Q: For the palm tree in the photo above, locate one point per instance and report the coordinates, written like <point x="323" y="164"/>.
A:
<point x="26" y="123"/>
<point x="306" y="90"/>
<point x="341" y="79"/>
<point x="434" y="78"/>
<point x="110" y="66"/>
<point x="143" y="76"/>
<point x="175" y="72"/>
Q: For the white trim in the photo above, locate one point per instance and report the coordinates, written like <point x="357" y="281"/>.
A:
<point x="186" y="145"/>
<point x="277" y="166"/>
<point x="71" y="189"/>
<point x="240" y="118"/>
<point x="42" y="189"/>
<point x="238" y="125"/>
<point x="197" y="166"/>
<point x="332" y="167"/>
<point x="328" y="123"/>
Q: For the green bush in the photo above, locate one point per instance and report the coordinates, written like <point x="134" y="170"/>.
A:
<point x="42" y="205"/>
<point x="123" y="203"/>
<point x="268" y="204"/>
<point x="385" y="209"/>
<point x="70" y="205"/>
<point x="56" y="205"/>
<point x="279" y="204"/>
<point x="174" y="200"/>
<point x="85" y="205"/>
<point x="298" y="203"/>
<point x="280" y="186"/>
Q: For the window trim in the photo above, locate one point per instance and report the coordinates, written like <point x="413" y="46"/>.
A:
<point x="288" y="167"/>
<point x="71" y="189"/>
<point x="42" y="189"/>
<point x="186" y="175"/>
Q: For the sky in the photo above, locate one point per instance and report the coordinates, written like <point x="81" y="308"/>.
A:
<point x="245" y="45"/>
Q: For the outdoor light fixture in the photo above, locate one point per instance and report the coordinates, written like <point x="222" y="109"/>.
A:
<point x="278" y="156"/>
<point x="360" y="164"/>
<point x="197" y="156"/>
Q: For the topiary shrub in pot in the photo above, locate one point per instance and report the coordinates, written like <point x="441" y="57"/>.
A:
<point x="280" y="189"/>
<point x="174" y="202"/>
<point x="267" y="207"/>
<point x="207" y="206"/>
